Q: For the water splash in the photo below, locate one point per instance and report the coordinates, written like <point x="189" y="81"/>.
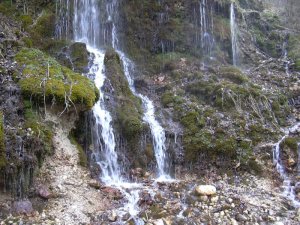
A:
<point x="287" y="182"/>
<point x="233" y="28"/>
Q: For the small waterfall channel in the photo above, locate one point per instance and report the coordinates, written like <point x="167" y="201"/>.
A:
<point x="288" y="186"/>
<point x="233" y="28"/>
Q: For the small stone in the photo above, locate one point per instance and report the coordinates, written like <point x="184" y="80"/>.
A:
<point x="214" y="199"/>
<point x="233" y="222"/>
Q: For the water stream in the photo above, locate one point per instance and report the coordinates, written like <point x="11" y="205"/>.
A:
<point x="233" y="29"/>
<point x="288" y="185"/>
<point x="206" y="23"/>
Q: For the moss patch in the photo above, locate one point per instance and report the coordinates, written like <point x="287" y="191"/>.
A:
<point x="41" y="74"/>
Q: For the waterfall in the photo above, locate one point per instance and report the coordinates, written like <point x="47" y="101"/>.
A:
<point x="285" y="56"/>
<point x="287" y="182"/>
<point x="233" y="29"/>
<point x="86" y="25"/>
<point x="206" y="24"/>
<point x="157" y="131"/>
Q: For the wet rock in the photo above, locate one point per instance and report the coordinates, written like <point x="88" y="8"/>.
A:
<point x="138" y="172"/>
<point x="22" y="207"/>
<point x="145" y="199"/>
<point x="206" y="190"/>
<point x="112" y="193"/>
<point x="44" y="192"/>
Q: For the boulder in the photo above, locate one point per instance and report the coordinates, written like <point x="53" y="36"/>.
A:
<point x="206" y="190"/>
<point x="22" y="207"/>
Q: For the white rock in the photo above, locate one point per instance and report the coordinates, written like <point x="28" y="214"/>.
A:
<point x="158" y="222"/>
<point x="206" y="190"/>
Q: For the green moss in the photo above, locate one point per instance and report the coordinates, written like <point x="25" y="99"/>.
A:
<point x="35" y="81"/>
<point x="26" y="21"/>
<point x="3" y="161"/>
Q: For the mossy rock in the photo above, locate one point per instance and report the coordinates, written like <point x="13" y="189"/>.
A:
<point x="291" y="143"/>
<point x="42" y="75"/>
<point x="129" y="109"/>
<point x="233" y="74"/>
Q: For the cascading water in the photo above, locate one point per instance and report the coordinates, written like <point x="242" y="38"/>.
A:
<point x="157" y="131"/>
<point x="233" y="28"/>
<point x="87" y="29"/>
<point x="206" y="23"/>
<point x="285" y="57"/>
<point x="287" y="182"/>
<point x="62" y="28"/>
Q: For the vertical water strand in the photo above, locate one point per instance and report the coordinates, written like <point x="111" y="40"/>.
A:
<point x="88" y="30"/>
<point x="233" y="29"/>
<point x="157" y="131"/>
<point x="206" y="27"/>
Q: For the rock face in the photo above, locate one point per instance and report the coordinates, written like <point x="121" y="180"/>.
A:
<point x="206" y="190"/>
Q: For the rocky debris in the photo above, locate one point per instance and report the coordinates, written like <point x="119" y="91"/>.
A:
<point x="77" y="201"/>
<point x="206" y="190"/>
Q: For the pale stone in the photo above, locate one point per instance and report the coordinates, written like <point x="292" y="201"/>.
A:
<point x="206" y="190"/>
